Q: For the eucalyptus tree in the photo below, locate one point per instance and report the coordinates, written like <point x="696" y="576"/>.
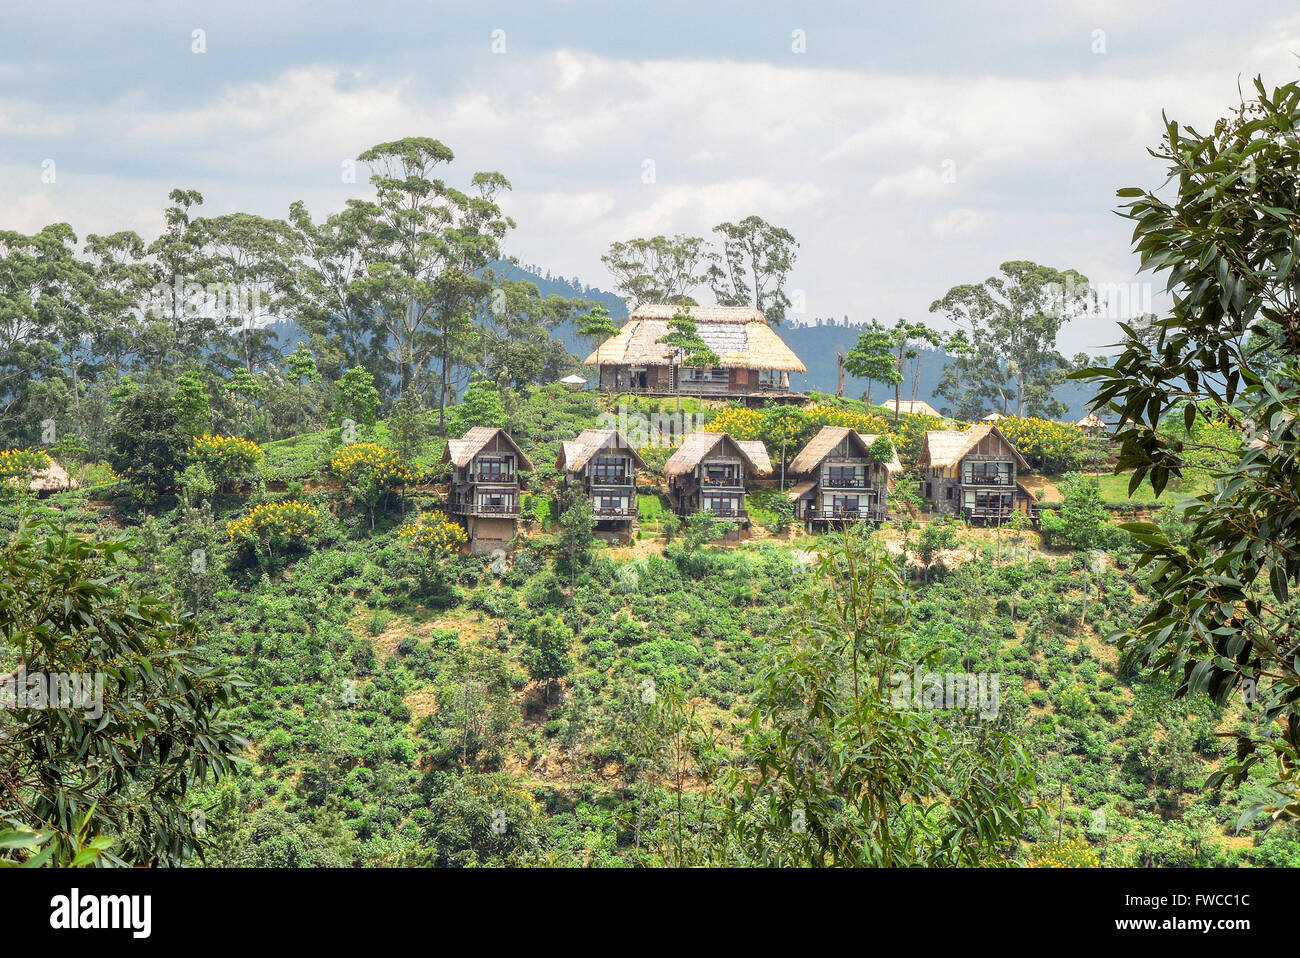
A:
<point x="659" y="269"/>
<point x="178" y="328"/>
<point x="40" y="281"/>
<point x="516" y="344"/>
<point x="249" y="261"/>
<point x="327" y="293"/>
<point x="752" y="269"/>
<point x="1011" y="321"/>
<point x="431" y="240"/>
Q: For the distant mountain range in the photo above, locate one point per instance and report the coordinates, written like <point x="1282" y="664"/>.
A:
<point x="815" y="343"/>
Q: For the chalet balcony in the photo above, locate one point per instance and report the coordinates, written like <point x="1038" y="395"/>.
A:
<point x="845" y="514"/>
<point x="614" y="482"/>
<point x="499" y="478"/>
<point x="989" y="481"/>
<point x="614" y="512"/>
<point x="847" y="482"/>
<point x="467" y="507"/>
<point x="722" y="512"/>
<point x="724" y="482"/>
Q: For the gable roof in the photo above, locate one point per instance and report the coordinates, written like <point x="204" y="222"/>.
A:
<point x="1091" y="421"/>
<point x="461" y="451"/>
<point x="738" y="334"/>
<point x="915" y="406"/>
<point x="698" y="445"/>
<point x="821" y="445"/>
<point x="757" y="453"/>
<point x="944" y="448"/>
<point x="576" y="453"/>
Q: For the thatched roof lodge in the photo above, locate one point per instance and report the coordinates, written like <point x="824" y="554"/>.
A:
<point x="700" y="446"/>
<point x="752" y="358"/>
<point x="827" y="440"/>
<point x="575" y="454"/>
<point x="945" y="449"/>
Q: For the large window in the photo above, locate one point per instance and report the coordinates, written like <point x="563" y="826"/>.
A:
<point x="845" y="477"/>
<point x="609" y="469"/>
<point x="987" y="473"/>
<point x="495" y="467"/>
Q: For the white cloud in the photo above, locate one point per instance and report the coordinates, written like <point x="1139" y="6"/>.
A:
<point x="853" y="162"/>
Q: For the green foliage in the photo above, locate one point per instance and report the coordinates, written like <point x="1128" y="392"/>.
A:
<point x="1082" y="519"/>
<point x="121" y="761"/>
<point x="1226" y="354"/>
<point x="920" y="792"/>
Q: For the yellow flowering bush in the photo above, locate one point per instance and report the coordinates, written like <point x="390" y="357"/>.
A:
<point x="738" y="422"/>
<point x="1074" y="853"/>
<point x="277" y="526"/>
<point x="863" y="422"/>
<point x="433" y="534"/>
<point x="22" y="462"/>
<point x="909" y="434"/>
<point x="227" y="459"/>
<point x="1049" y="445"/>
<point x="369" y="472"/>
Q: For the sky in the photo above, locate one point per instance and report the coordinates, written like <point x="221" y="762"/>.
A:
<point x="908" y="147"/>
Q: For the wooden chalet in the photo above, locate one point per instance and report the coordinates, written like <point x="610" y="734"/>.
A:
<point x="838" y="480"/>
<point x="708" y="472"/>
<point x="973" y="473"/>
<point x="602" y="464"/>
<point x="484" y="490"/>
<point x="753" y="361"/>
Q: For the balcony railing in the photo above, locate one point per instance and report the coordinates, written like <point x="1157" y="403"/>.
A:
<point x="847" y="482"/>
<point x="989" y="480"/>
<point x="503" y="478"/>
<point x="733" y="481"/>
<point x="469" y="507"/>
<point x="606" y="481"/>
<point x="843" y="512"/>
<point x="722" y="512"/>
<point x="616" y="512"/>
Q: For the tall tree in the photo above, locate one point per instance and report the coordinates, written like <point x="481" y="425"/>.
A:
<point x="179" y="329"/>
<point x="431" y="241"/>
<point x="249" y="263"/>
<point x="1012" y="321"/>
<point x="659" y="269"/>
<point x="756" y="259"/>
<point x="327" y="294"/>
<point x="40" y="280"/>
<point x="872" y="359"/>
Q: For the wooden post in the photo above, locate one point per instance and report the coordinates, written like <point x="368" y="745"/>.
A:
<point x="839" y="362"/>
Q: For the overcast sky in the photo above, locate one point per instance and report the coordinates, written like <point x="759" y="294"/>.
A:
<point x="909" y="147"/>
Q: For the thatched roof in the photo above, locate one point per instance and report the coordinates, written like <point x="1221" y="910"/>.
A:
<point x="918" y="406"/>
<point x="1091" y="421"/>
<point x="461" y="451"/>
<point x="993" y="417"/>
<point x="738" y="334"/>
<point x="820" y="446"/>
<point x="53" y="478"/>
<point x="699" y="445"/>
<point x="757" y="453"/>
<point x="944" y="448"/>
<point x="576" y="453"/>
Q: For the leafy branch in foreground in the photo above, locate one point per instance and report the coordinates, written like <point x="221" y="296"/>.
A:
<point x="1224" y="616"/>
<point x="115" y="767"/>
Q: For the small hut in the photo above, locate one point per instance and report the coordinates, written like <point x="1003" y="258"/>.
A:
<point x="1091" y="425"/>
